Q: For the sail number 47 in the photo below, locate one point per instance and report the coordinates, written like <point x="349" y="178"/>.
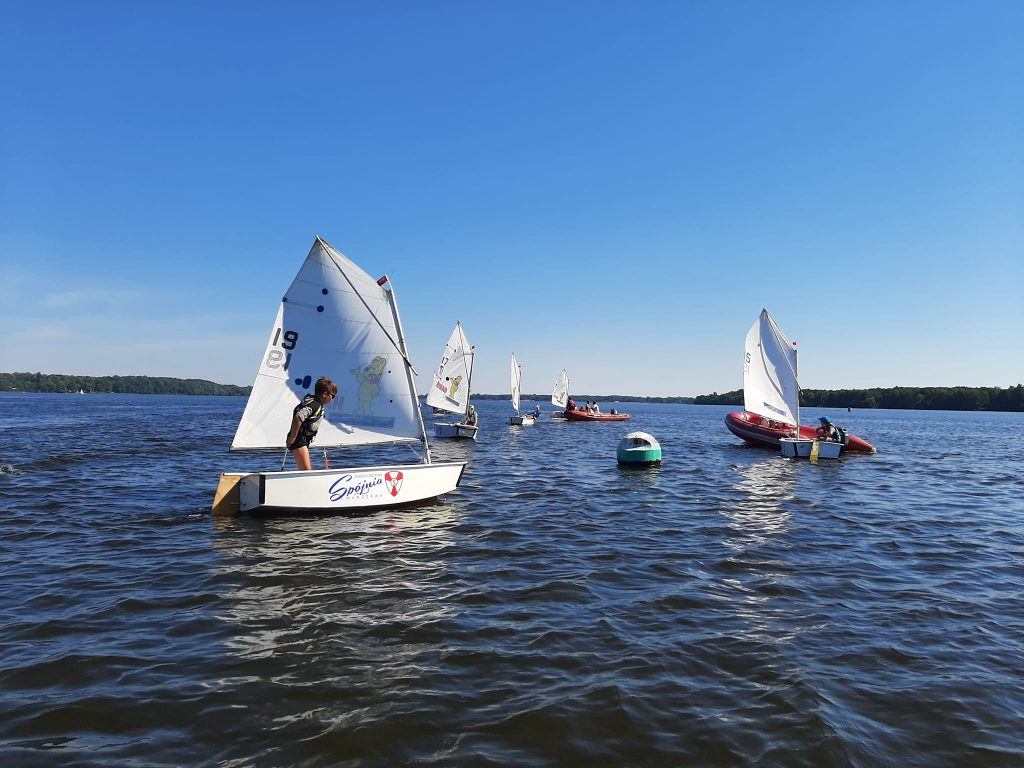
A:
<point x="281" y="358"/>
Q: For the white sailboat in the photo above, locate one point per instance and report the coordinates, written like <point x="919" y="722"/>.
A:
<point x="771" y="387"/>
<point x="451" y="386"/>
<point x="560" y="394"/>
<point x="526" y="419"/>
<point x="336" y="321"/>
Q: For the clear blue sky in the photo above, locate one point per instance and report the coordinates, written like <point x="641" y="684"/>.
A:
<point x="616" y="189"/>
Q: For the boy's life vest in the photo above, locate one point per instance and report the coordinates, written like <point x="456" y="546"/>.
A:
<point x="311" y="423"/>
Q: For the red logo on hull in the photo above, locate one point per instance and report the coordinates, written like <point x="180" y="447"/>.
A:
<point x="393" y="480"/>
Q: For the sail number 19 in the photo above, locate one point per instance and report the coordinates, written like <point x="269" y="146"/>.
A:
<point x="281" y="358"/>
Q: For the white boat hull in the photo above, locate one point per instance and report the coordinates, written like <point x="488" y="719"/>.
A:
<point x="522" y="421"/>
<point x="464" y="431"/>
<point x="802" y="449"/>
<point x="351" y="488"/>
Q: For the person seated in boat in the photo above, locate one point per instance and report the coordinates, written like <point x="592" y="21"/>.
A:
<point x="470" y="420"/>
<point x="595" y="408"/>
<point x="827" y="431"/>
<point x="571" y="406"/>
<point x="306" y="421"/>
<point x="536" y="411"/>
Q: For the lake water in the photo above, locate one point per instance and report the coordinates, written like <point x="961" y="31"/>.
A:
<point x="730" y="608"/>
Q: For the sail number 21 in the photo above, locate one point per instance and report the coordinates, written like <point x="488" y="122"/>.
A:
<point x="281" y="358"/>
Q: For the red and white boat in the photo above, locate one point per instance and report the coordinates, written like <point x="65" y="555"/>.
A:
<point x="771" y="399"/>
<point x="579" y="415"/>
<point x="757" y="430"/>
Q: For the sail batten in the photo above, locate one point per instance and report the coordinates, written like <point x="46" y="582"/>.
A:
<point x="336" y="321"/>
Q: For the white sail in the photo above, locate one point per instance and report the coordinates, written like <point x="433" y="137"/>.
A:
<point x="335" y="321"/>
<point x="560" y="394"/>
<point x="450" y="389"/>
<point x="517" y="373"/>
<point x="770" y="386"/>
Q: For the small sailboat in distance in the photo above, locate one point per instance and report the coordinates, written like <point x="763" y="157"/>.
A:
<point x="335" y="321"/>
<point x="526" y="419"/>
<point x="560" y="396"/>
<point x="451" y="387"/>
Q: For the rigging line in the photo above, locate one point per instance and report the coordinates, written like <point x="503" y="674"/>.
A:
<point x="328" y="250"/>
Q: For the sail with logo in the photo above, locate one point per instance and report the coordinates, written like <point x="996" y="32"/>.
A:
<point x="560" y="393"/>
<point x="450" y="389"/>
<point x="337" y="321"/>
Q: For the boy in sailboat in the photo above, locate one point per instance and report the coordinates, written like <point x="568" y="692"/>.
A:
<point x="306" y="421"/>
<point x="827" y="431"/>
<point x="470" y="417"/>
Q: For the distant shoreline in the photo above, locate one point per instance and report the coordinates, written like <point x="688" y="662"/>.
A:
<point x="1008" y="399"/>
<point x="1003" y="399"/>
<point x="57" y="383"/>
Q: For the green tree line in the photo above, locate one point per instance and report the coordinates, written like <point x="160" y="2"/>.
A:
<point x="914" y="398"/>
<point x="122" y="385"/>
<point x="599" y="398"/>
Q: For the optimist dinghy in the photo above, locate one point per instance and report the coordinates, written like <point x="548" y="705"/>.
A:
<point x="335" y="321"/>
<point x="519" y="420"/>
<point x="771" y="398"/>
<point x="452" y="379"/>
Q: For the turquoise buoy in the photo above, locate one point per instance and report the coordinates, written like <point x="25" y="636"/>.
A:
<point x="638" y="449"/>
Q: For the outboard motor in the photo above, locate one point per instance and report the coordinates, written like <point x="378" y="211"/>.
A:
<point x="843" y="439"/>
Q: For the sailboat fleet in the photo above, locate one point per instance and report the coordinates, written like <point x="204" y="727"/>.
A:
<point x="337" y="321"/>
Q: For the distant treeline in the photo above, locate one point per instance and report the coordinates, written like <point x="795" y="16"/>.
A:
<point x="599" y="398"/>
<point x="121" y="385"/>
<point x="915" y="398"/>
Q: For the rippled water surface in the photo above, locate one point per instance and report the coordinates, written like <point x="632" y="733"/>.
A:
<point x="730" y="608"/>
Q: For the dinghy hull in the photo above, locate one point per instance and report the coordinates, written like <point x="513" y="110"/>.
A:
<point x="766" y="433"/>
<point x="522" y="421"/>
<point x="461" y="431"/>
<point x="585" y="416"/>
<point x="339" y="490"/>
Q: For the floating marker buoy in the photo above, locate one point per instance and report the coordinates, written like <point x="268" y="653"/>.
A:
<point x="638" y="449"/>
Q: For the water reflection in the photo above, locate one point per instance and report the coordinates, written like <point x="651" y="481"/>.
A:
<point x="764" y="487"/>
<point x="337" y="598"/>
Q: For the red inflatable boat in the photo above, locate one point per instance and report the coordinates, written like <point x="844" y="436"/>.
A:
<point x="766" y="433"/>
<point x="587" y="416"/>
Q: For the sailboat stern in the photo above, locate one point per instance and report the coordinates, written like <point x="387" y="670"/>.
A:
<point x="354" y="489"/>
<point x="226" y="500"/>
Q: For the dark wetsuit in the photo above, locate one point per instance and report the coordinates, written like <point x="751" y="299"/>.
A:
<point x="830" y="434"/>
<point x="310" y="411"/>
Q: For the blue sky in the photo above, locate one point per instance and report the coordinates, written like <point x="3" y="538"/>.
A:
<point x="615" y="189"/>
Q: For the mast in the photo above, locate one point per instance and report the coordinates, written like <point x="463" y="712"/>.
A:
<point x="467" y="350"/>
<point x="393" y="300"/>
